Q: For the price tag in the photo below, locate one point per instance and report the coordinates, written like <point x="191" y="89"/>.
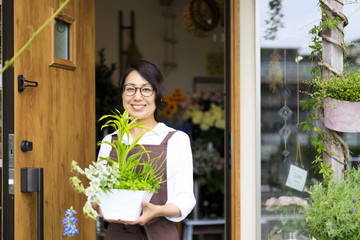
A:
<point x="297" y="177"/>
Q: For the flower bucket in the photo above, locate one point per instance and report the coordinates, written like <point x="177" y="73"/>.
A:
<point x="122" y="204"/>
<point x="342" y="116"/>
<point x="290" y="236"/>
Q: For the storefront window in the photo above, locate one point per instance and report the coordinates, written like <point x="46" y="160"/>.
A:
<point x="286" y="151"/>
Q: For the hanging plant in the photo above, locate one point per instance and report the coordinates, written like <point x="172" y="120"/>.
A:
<point x="325" y="139"/>
<point x="339" y="96"/>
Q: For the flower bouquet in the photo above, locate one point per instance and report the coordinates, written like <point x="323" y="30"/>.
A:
<point x="111" y="176"/>
<point x="288" y="208"/>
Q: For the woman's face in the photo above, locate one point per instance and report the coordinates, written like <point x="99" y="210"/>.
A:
<point x="137" y="104"/>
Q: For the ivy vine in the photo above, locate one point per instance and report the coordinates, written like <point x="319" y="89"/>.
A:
<point x="314" y="105"/>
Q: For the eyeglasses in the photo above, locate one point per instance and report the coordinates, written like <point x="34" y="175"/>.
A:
<point x="146" y="91"/>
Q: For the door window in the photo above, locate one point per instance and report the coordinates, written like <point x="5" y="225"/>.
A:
<point x="62" y="39"/>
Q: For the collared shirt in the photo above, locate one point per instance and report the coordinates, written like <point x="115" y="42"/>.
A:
<point x="179" y="165"/>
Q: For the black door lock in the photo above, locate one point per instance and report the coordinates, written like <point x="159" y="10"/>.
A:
<point x="26" y="146"/>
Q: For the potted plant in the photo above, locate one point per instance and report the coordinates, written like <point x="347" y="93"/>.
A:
<point x="126" y="177"/>
<point x="334" y="208"/>
<point x="340" y="98"/>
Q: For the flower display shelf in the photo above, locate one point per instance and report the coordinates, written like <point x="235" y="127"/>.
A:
<point x="342" y="116"/>
<point x="122" y="204"/>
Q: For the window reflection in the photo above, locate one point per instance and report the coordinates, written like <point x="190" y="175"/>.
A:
<point x="283" y="143"/>
<point x="62" y="39"/>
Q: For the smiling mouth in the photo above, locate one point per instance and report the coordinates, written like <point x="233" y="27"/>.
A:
<point x="138" y="107"/>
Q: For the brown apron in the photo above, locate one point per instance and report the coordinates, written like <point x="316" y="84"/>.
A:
<point x="158" y="228"/>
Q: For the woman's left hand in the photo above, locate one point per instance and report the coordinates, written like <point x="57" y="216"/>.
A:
<point x="149" y="211"/>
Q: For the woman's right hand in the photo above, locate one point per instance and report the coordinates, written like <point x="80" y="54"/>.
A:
<point x="97" y="208"/>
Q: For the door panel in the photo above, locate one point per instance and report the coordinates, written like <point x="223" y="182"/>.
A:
<point x="58" y="116"/>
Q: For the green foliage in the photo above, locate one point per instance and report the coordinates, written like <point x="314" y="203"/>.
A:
<point x="275" y="22"/>
<point x="345" y="87"/>
<point x="334" y="210"/>
<point x="312" y="106"/>
<point x="125" y="172"/>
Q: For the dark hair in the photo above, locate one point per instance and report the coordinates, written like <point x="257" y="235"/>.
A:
<point x="151" y="74"/>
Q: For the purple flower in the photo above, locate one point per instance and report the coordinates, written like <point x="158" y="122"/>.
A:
<point x="70" y="223"/>
<point x="354" y="200"/>
<point x="352" y="210"/>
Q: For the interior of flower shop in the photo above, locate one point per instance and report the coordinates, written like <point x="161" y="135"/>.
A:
<point x="192" y="61"/>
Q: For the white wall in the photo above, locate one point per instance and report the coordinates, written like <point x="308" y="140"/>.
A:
<point x="190" y="51"/>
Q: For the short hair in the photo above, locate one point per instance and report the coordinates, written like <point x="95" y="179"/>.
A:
<point x="151" y="74"/>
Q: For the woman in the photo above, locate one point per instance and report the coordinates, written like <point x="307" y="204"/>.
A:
<point x="142" y="91"/>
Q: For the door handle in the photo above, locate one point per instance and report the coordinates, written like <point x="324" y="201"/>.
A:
<point x="22" y="86"/>
<point x="32" y="180"/>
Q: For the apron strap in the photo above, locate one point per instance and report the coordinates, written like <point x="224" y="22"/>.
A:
<point x="113" y="138"/>
<point x="166" y="139"/>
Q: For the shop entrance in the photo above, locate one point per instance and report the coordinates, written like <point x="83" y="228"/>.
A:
<point x="193" y="62"/>
<point x="37" y="115"/>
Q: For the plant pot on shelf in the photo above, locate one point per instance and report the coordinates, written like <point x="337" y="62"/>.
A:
<point x="342" y="116"/>
<point x="122" y="204"/>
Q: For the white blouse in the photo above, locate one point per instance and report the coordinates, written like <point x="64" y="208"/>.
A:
<point x="179" y="165"/>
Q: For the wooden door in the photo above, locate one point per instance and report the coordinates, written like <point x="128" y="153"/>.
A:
<point x="58" y="116"/>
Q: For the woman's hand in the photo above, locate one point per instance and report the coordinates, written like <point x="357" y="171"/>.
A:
<point x="149" y="211"/>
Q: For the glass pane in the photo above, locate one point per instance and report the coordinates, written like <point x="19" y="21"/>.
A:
<point x="62" y="39"/>
<point x="283" y="143"/>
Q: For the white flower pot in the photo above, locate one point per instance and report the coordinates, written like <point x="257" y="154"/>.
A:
<point x="342" y="116"/>
<point x="122" y="204"/>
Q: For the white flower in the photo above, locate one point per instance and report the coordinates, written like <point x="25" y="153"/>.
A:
<point x="298" y="58"/>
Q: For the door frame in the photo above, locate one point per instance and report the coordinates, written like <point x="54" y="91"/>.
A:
<point x="7" y="117"/>
<point x="233" y="56"/>
<point x="244" y="122"/>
